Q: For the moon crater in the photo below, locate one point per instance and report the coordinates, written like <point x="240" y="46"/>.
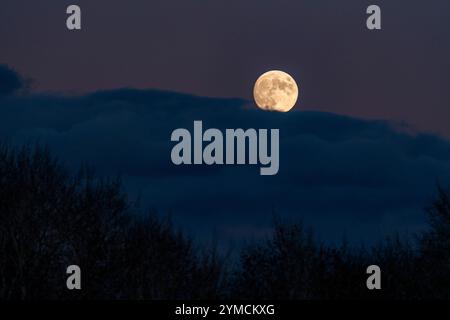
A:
<point x="275" y="91"/>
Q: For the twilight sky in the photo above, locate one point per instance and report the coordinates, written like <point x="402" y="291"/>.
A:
<point x="342" y="169"/>
<point x="218" y="48"/>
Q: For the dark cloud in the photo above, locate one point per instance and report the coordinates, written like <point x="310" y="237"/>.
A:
<point x="340" y="174"/>
<point x="10" y="81"/>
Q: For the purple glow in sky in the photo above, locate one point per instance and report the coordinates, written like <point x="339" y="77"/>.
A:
<point x="219" y="48"/>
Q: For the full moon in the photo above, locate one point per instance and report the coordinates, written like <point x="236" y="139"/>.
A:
<point x="275" y="91"/>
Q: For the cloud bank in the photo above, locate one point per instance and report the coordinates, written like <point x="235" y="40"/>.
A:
<point x="341" y="175"/>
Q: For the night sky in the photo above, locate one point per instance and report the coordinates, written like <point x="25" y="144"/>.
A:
<point x="360" y="154"/>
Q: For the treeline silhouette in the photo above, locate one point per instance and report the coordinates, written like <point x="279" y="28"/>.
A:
<point x="51" y="218"/>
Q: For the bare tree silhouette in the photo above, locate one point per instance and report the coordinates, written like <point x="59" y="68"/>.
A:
<point x="435" y="248"/>
<point x="51" y="218"/>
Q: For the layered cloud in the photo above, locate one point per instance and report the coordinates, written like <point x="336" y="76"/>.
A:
<point x="342" y="175"/>
<point x="10" y="81"/>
